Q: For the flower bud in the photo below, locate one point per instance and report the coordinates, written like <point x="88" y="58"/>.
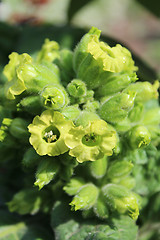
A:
<point x="119" y="169"/>
<point x="30" y="158"/>
<point x="100" y="208"/>
<point x="121" y="199"/>
<point x="139" y="136"/>
<point x="46" y="171"/>
<point x="115" y="83"/>
<point x="54" y="97"/>
<point x="49" y="51"/>
<point x="98" y="168"/>
<point x="144" y="90"/>
<point x="85" y="198"/>
<point x="116" y="108"/>
<point x="30" y="104"/>
<point x="77" y="88"/>
<point x="137" y="112"/>
<point x="18" y="129"/>
<point x="26" y="201"/>
<point x="65" y="64"/>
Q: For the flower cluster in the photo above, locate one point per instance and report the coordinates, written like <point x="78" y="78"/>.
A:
<point x="75" y="114"/>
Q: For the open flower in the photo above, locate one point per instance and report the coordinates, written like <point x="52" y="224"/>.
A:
<point x="48" y="132"/>
<point x="92" y="142"/>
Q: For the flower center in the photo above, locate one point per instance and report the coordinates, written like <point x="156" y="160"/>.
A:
<point x="91" y="139"/>
<point x="51" y="134"/>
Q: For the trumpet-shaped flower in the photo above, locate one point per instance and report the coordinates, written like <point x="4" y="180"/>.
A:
<point x="48" y="132"/>
<point x="92" y="142"/>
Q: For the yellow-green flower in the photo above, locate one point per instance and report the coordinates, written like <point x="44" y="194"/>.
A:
<point x="15" y="85"/>
<point x="92" y="142"/>
<point x="48" y="132"/>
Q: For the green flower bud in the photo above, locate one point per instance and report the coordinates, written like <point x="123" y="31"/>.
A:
<point x="139" y="136"/>
<point x="71" y="112"/>
<point x="49" y="51"/>
<point x="25" y="201"/>
<point x="151" y="117"/>
<point x="30" y="158"/>
<point x="119" y="169"/>
<point x="77" y="88"/>
<point x="137" y="112"/>
<point x="121" y="199"/>
<point x="100" y="208"/>
<point x="84" y="118"/>
<point x="46" y="171"/>
<point x="98" y="168"/>
<point x="88" y="97"/>
<point x="4" y="132"/>
<point x="54" y="97"/>
<point x="117" y="107"/>
<point x="30" y="104"/>
<point x="85" y="198"/>
<point x="65" y="64"/>
<point x="91" y="106"/>
<point x="18" y="129"/>
<point x="74" y="185"/>
<point x="48" y="132"/>
<point x="144" y="90"/>
<point x="92" y="59"/>
<point x="92" y="142"/>
<point x="128" y="182"/>
<point x="115" y="83"/>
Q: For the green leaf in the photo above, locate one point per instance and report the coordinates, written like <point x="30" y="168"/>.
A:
<point x="75" y="6"/>
<point x="70" y="226"/>
<point x="13" y="228"/>
<point x="152" y="6"/>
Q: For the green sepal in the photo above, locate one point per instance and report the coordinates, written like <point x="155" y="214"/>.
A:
<point x="47" y="170"/>
<point x="98" y="168"/>
<point x="116" y="108"/>
<point x="85" y="198"/>
<point x="74" y="185"/>
<point x="121" y="199"/>
<point x="119" y="169"/>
